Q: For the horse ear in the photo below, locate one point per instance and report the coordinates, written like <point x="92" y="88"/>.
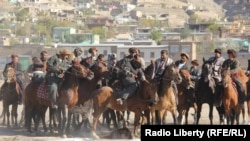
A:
<point x="204" y="60"/>
<point x="152" y="61"/>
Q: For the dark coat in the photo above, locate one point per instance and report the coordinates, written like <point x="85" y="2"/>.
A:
<point x="185" y="66"/>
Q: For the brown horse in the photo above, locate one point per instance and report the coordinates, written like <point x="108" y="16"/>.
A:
<point x="68" y="92"/>
<point x="230" y="98"/>
<point x="86" y="87"/>
<point x="36" y="107"/>
<point x="10" y="91"/>
<point x="105" y="97"/>
<point x="185" y="96"/>
<point x="167" y="97"/>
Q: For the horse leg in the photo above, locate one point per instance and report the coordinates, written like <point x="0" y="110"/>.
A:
<point x="199" y="106"/>
<point x="113" y="118"/>
<point x="211" y="113"/>
<point x="153" y="113"/>
<point x="136" y="123"/>
<point x="147" y="114"/>
<point x="160" y="114"/>
<point x="69" y="122"/>
<point x="63" y="121"/>
<point x="186" y="116"/>
<point x="128" y="116"/>
<point x="248" y="109"/>
<point x="8" y="116"/>
<point x="242" y="109"/>
<point x="96" y="115"/>
<point x="164" y="121"/>
<point x="174" y="115"/>
<point x="14" y="114"/>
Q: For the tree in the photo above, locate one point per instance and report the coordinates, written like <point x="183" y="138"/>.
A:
<point x="185" y="32"/>
<point x="99" y="31"/>
<point x="22" y="15"/>
<point x="156" y="36"/>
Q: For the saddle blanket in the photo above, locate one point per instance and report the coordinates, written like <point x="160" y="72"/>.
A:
<point x="42" y="91"/>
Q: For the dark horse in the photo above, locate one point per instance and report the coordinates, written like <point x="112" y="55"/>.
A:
<point x="10" y="91"/>
<point x="36" y="107"/>
<point x="68" y="93"/>
<point x="205" y="92"/>
<point x="105" y="97"/>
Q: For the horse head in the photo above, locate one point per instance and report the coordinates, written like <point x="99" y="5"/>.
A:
<point x="171" y="73"/>
<point x="149" y="71"/>
<point x="186" y="79"/>
<point x="11" y="75"/>
<point x="207" y="70"/>
<point x="100" y="70"/>
<point x="150" y="85"/>
<point x="225" y="75"/>
<point x="80" y="71"/>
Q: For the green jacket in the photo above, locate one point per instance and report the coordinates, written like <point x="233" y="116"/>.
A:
<point x="233" y="64"/>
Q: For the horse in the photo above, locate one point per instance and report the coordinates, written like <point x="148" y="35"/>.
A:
<point x="36" y="106"/>
<point x="167" y="99"/>
<point x="10" y="91"/>
<point x="68" y="93"/>
<point x="86" y="87"/>
<point x="205" y="91"/>
<point x="185" y="97"/>
<point x="230" y="98"/>
<point x="140" y="101"/>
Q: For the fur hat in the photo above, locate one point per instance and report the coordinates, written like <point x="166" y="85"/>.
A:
<point x="218" y="50"/>
<point x="91" y="49"/>
<point x="132" y="50"/>
<point x="185" y="54"/>
<point x="195" y="62"/>
<point x="233" y="52"/>
<point x="65" y="52"/>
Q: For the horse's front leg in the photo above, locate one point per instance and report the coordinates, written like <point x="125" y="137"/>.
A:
<point x="174" y="115"/>
<point x="69" y="121"/>
<point x="8" y="116"/>
<point x="14" y="114"/>
<point x="153" y="112"/>
<point x="211" y="113"/>
<point x="64" y="118"/>
<point x="199" y="105"/>
<point x="136" y="123"/>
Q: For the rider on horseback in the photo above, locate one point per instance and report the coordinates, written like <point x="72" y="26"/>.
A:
<point x="19" y="74"/>
<point x="234" y="64"/>
<point x="160" y="65"/>
<point x="129" y="70"/>
<point x="56" y="67"/>
<point x="90" y="61"/>
<point x="217" y="61"/>
<point x="182" y="65"/>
